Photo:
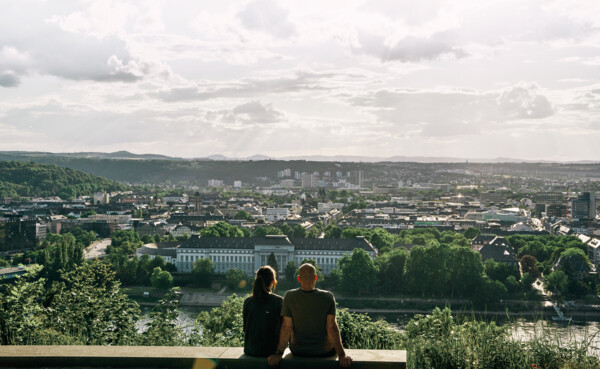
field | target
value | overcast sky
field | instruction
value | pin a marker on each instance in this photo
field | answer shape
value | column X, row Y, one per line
column 472, row 79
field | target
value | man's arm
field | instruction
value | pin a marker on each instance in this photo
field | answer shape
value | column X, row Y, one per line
column 284, row 338
column 333, row 332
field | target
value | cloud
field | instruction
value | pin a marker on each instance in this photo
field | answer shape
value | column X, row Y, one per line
column 9, row 79
column 267, row 16
column 250, row 87
column 455, row 112
column 408, row 49
column 37, row 43
column 255, row 112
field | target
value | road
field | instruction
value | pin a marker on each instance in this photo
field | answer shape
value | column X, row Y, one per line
column 97, row 250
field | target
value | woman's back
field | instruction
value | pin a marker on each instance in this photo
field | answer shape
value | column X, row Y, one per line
column 262, row 321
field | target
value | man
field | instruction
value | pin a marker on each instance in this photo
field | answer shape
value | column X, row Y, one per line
column 309, row 319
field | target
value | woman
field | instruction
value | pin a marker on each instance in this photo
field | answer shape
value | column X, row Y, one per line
column 262, row 315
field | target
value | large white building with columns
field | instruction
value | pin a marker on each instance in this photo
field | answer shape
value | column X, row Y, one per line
column 249, row 254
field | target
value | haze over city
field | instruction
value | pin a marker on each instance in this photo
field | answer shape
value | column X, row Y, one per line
column 481, row 79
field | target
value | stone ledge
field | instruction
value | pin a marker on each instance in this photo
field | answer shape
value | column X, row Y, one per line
column 181, row 357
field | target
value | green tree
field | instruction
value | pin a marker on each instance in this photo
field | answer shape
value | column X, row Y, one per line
column 299, row 231
column 290, row 270
column 88, row 303
column 21, row 311
column 391, row 270
column 264, row 231
column 500, row 271
column 272, row 261
column 222, row 326
column 243, row 215
column 161, row 279
column 465, row 269
column 359, row 273
column 287, row 230
column 333, row 231
column 556, row 282
column 202, row 272
column 163, row 330
column 236, row 279
column 472, row 233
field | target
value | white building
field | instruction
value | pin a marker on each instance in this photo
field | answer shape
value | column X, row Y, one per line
column 237, row 184
column 275, row 214
column 249, row 254
column 326, row 207
column 215, row 183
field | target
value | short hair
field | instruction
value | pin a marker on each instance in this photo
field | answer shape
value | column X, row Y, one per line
column 307, row 272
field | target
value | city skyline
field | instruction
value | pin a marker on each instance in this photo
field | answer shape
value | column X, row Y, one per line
column 357, row 78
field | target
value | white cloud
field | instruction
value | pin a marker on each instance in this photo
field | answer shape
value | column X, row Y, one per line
column 267, row 16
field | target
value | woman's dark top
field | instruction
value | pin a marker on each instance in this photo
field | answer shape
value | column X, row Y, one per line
column 262, row 321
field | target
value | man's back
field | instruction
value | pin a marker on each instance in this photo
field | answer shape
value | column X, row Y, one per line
column 309, row 310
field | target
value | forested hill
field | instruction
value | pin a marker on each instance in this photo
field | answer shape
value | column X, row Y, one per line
column 18, row 179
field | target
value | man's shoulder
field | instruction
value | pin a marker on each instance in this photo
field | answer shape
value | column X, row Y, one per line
column 292, row 292
column 324, row 292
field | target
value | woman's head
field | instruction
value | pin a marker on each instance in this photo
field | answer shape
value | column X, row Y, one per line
column 265, row 278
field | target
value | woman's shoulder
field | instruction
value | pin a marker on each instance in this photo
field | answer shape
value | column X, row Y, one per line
column 275, row 296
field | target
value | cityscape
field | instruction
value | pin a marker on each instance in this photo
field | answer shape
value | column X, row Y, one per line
column 430, row 169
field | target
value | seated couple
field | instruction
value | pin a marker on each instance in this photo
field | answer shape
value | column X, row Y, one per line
column 305, row 318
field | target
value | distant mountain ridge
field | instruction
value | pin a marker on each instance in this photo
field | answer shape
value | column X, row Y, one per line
column 126, row 155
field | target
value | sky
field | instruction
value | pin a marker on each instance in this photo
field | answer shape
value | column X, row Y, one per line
column 467, row 79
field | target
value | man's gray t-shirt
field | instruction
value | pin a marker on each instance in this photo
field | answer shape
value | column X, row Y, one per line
column 309, row 310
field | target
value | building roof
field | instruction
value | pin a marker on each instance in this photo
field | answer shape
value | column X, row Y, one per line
column 153, row 251
column 499, row 252
column 333, row 244
column 483, row 238
column 300, row 244
column 197, row 242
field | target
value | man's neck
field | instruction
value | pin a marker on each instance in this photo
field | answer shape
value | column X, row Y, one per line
column 307, row 287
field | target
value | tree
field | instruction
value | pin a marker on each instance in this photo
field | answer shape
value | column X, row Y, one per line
column 500, row 271
column 359, row 273
column 163, row 329
column 465, row 270
column 236, row 279
column 333, row 231
column 287, row 230
column 264, row 231
column 529, row 265
column 299, row 231
column 556, row 282
column 222, row 326
column 272, row 261
column 391, row 270
column 161, row 279
column 243, row 215
column 21, row 310
column 202, row 272
column 472, row 233
column 88, row 303
column 290, row 270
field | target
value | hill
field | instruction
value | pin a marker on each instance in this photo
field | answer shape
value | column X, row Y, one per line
column 24, row 179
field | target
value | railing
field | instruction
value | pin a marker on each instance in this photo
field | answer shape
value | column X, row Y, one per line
column 181, row 357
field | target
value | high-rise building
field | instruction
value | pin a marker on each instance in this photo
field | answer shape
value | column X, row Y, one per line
column 584, row 207
column 356, row 178
column 308, row 180
column 237, row 184
column 17, row 233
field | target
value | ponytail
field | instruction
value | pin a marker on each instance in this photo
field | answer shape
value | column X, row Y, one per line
column 260, row 287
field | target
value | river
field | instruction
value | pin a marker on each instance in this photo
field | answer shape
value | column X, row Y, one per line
column 523, row 329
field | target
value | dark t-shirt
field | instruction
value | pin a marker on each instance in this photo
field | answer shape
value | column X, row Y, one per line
column 309, row 310
column 262, row 322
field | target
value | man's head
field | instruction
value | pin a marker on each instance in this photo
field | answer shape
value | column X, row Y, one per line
column 307, row 276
